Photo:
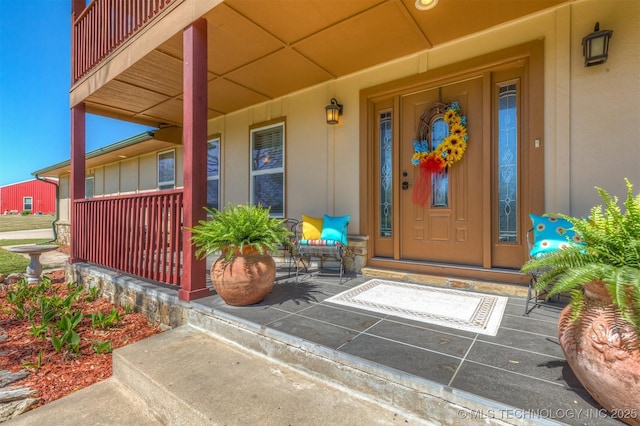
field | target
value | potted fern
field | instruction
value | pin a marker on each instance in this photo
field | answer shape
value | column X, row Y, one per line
column 599, row 329
column 245, row 235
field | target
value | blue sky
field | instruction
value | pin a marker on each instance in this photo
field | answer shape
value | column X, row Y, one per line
column 35, row 80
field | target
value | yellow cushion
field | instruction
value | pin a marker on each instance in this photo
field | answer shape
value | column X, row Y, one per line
column 311, row 227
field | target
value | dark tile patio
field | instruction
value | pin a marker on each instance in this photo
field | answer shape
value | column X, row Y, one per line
column 521, row 368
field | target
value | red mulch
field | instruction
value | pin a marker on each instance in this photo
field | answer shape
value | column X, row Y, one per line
column 62, row 374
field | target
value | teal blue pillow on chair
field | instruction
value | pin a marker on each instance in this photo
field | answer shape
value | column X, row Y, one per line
column 335, row 228
column 551, row 233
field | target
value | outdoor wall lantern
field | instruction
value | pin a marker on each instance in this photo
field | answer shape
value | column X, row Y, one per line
column 426, row 4
column 334, row 111
column 595, row 46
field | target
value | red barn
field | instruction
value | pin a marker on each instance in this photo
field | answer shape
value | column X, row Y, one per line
column 33, row 195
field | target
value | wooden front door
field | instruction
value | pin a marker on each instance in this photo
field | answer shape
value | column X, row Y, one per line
column 477, row 216
column 448, row 228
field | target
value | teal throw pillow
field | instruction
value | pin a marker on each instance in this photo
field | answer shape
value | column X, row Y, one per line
column 335, row 228
column 551, row 233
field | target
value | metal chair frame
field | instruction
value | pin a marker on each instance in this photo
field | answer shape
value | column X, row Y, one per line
column 307, row 252
column 288, row 248
column 534, row 295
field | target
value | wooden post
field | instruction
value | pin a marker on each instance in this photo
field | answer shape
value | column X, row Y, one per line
column 195, row 155
column 78, row 149
column 78, row 145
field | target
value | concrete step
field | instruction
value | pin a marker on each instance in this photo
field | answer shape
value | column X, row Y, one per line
column 105, row 403
column 187, row 377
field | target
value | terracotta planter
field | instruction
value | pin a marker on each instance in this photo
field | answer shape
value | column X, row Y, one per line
column 245, row 279
column 603, row 351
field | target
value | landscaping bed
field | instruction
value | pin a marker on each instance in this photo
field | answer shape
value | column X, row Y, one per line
column 63, row 336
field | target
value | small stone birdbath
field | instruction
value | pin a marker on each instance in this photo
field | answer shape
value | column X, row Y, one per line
column 34, row 268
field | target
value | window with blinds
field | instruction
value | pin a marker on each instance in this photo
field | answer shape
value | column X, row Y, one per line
column 267, row 168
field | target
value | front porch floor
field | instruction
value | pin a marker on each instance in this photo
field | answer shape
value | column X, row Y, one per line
column 519, row 376
column 522, row 368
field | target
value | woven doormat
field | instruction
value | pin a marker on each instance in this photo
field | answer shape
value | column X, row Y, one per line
column 462, row 310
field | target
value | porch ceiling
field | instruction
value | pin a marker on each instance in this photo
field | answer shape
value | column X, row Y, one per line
column 260, row 50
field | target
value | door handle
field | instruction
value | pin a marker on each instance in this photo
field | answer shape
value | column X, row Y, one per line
column 405, row 185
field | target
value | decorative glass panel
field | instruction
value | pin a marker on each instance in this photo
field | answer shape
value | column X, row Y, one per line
column 507, row 163
column 386, row 174
column 439, row 181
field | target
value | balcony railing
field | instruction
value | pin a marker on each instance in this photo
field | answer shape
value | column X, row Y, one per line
column 106, row 24
column 139, row 234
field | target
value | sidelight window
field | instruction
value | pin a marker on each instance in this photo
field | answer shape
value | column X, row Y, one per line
column 386, row 173
column 507, row 157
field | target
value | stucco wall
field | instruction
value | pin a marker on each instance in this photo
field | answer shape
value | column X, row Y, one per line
column 605, row 104
column 591, row 115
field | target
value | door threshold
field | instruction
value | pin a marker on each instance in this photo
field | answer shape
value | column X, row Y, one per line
column 468, row 278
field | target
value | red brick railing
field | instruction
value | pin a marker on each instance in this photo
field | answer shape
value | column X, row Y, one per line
column 137, row 234
column 104, row 25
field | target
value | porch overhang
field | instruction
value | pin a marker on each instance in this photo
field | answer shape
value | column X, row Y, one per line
column 259, row 51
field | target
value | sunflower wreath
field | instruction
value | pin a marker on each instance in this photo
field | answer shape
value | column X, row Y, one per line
column 452, row 148
column 446, row 154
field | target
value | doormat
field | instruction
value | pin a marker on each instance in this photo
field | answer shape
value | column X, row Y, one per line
column 462, row 310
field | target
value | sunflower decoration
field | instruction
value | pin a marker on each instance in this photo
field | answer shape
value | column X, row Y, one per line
column 448, row 152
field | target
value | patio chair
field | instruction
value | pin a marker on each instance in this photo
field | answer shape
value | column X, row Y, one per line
column 323, row 238
column 548, row 234
column 287, row 248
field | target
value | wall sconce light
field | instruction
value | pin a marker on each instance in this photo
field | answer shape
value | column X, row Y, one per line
column 426, row 4
column 334, row 111
column 595, row 46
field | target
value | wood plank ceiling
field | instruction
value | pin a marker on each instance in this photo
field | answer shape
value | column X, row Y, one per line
column 260, row 50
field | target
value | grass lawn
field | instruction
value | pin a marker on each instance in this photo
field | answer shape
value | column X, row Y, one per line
column 16, row 222
column 12, row 262
column 20, row 242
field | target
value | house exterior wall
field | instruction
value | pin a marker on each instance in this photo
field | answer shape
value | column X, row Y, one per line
column 585, row 108
column 128, row 176
column 98, row 181
column 591, row 119
column 64, row 206
column 147, row 165
column 42, row 194
column 604, row 105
